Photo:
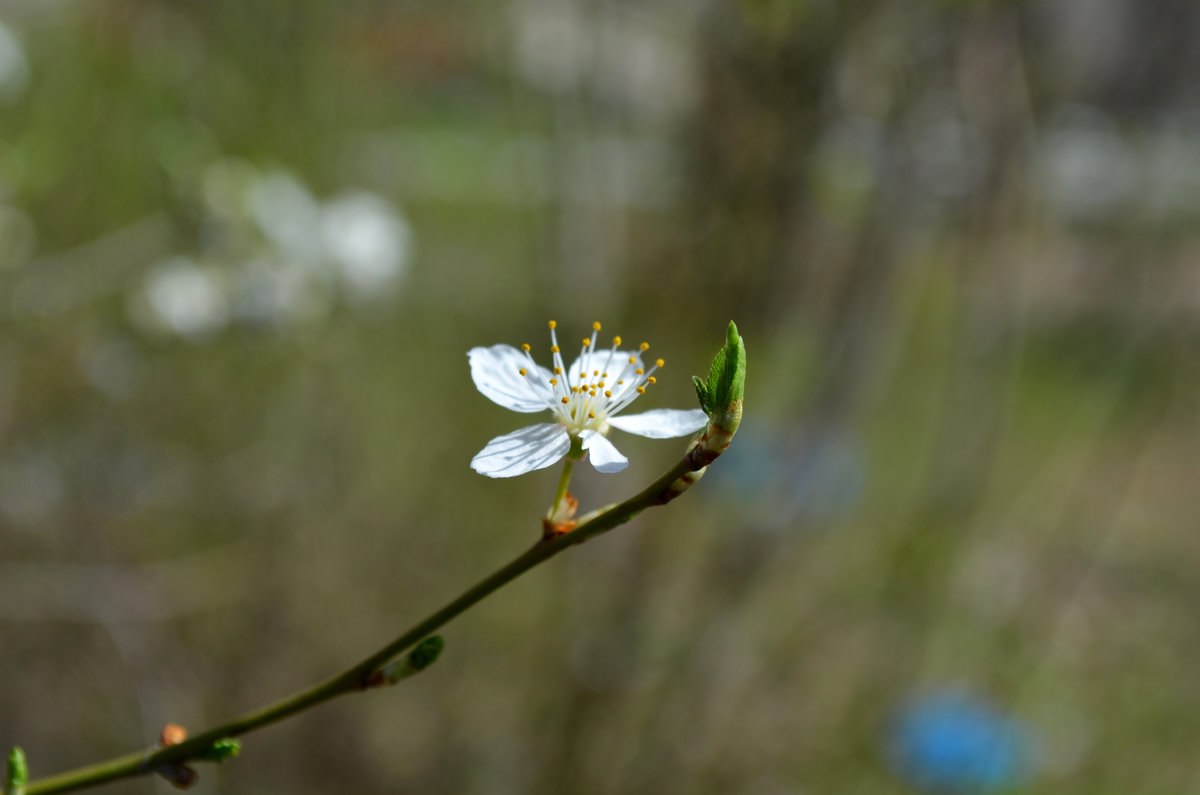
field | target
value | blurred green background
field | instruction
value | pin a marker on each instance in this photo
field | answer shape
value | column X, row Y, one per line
column 246, row 244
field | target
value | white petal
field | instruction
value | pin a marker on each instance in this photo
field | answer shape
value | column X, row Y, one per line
column 496, row 372
column 533, row 447
column 661, row 423
column 605, row 457
column 611, row 362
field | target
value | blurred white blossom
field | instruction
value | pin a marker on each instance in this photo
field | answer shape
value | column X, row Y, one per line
column 186, row 298
column 275, row 293
column 1090, row 171
column 274, row 256
column 14, row 66
column 367, row 240
column 287, row 214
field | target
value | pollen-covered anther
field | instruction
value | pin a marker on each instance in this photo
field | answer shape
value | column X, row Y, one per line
column 641, row 390
column 566, row 400
column 525, row 347
column 552, row 324
column 645, row 346
column 554, row 349
column 607, row 393
column 651, row 380
column 586, row 342
column 558, row 371
column 522, row 371
column 591, row 415
column 616, row 340
column 639, row 371
column 553, row 382
column 595, row 372
column 660, row 363
column 596, row 325
column 633, row 360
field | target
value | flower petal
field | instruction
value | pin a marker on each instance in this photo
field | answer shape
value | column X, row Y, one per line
column 496, row 372
column 615, row 363
column 532, row 447
column 661, row 423
column 605, row 457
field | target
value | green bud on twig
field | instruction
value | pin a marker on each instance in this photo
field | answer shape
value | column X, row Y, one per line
column 423, row 655
column 726, row 378
column 221, row 750
column 18, row 773
column 721, row 398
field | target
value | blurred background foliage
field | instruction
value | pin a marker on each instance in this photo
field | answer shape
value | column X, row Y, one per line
column 244, row 247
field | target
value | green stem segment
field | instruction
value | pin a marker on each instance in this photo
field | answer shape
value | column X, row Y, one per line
column 357, row 677
column 561, row 492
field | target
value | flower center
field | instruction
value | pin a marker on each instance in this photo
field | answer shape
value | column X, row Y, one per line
column 600, row 384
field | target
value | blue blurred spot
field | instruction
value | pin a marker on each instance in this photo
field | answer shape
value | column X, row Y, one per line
column 954, row 742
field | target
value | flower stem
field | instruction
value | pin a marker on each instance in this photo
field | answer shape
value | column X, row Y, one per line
column 561, row 492
column 358, row 676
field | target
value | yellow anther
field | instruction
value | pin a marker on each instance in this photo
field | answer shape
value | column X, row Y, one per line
column 566, row 400
column 525, row 347
column 621, row 382
column 645, row 346
column 553, row 382
column 641, row 390
column 616, row 340
column 558, row 371
column 574, row 389
column 552, row 323
column 659, row 363
column 604, row 375
column 595, row 372
column 554, row 349
column 582, row 374
column 586, row 342
column 600, row 384
column 596, row 325
column 522, row 371
column 591, row 415
column 633, row 360
column 651, row 380
column 639, row 371
column 607, row 393
column 592, row 393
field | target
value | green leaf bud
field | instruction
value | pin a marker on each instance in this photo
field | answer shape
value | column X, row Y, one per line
column 221, row 750
column 423, row 655
column 727, row 377
column 18, row 772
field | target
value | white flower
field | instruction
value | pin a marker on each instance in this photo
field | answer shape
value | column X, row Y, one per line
column 584, row 399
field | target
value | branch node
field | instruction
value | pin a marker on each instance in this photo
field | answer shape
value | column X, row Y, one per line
column 179, row 775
